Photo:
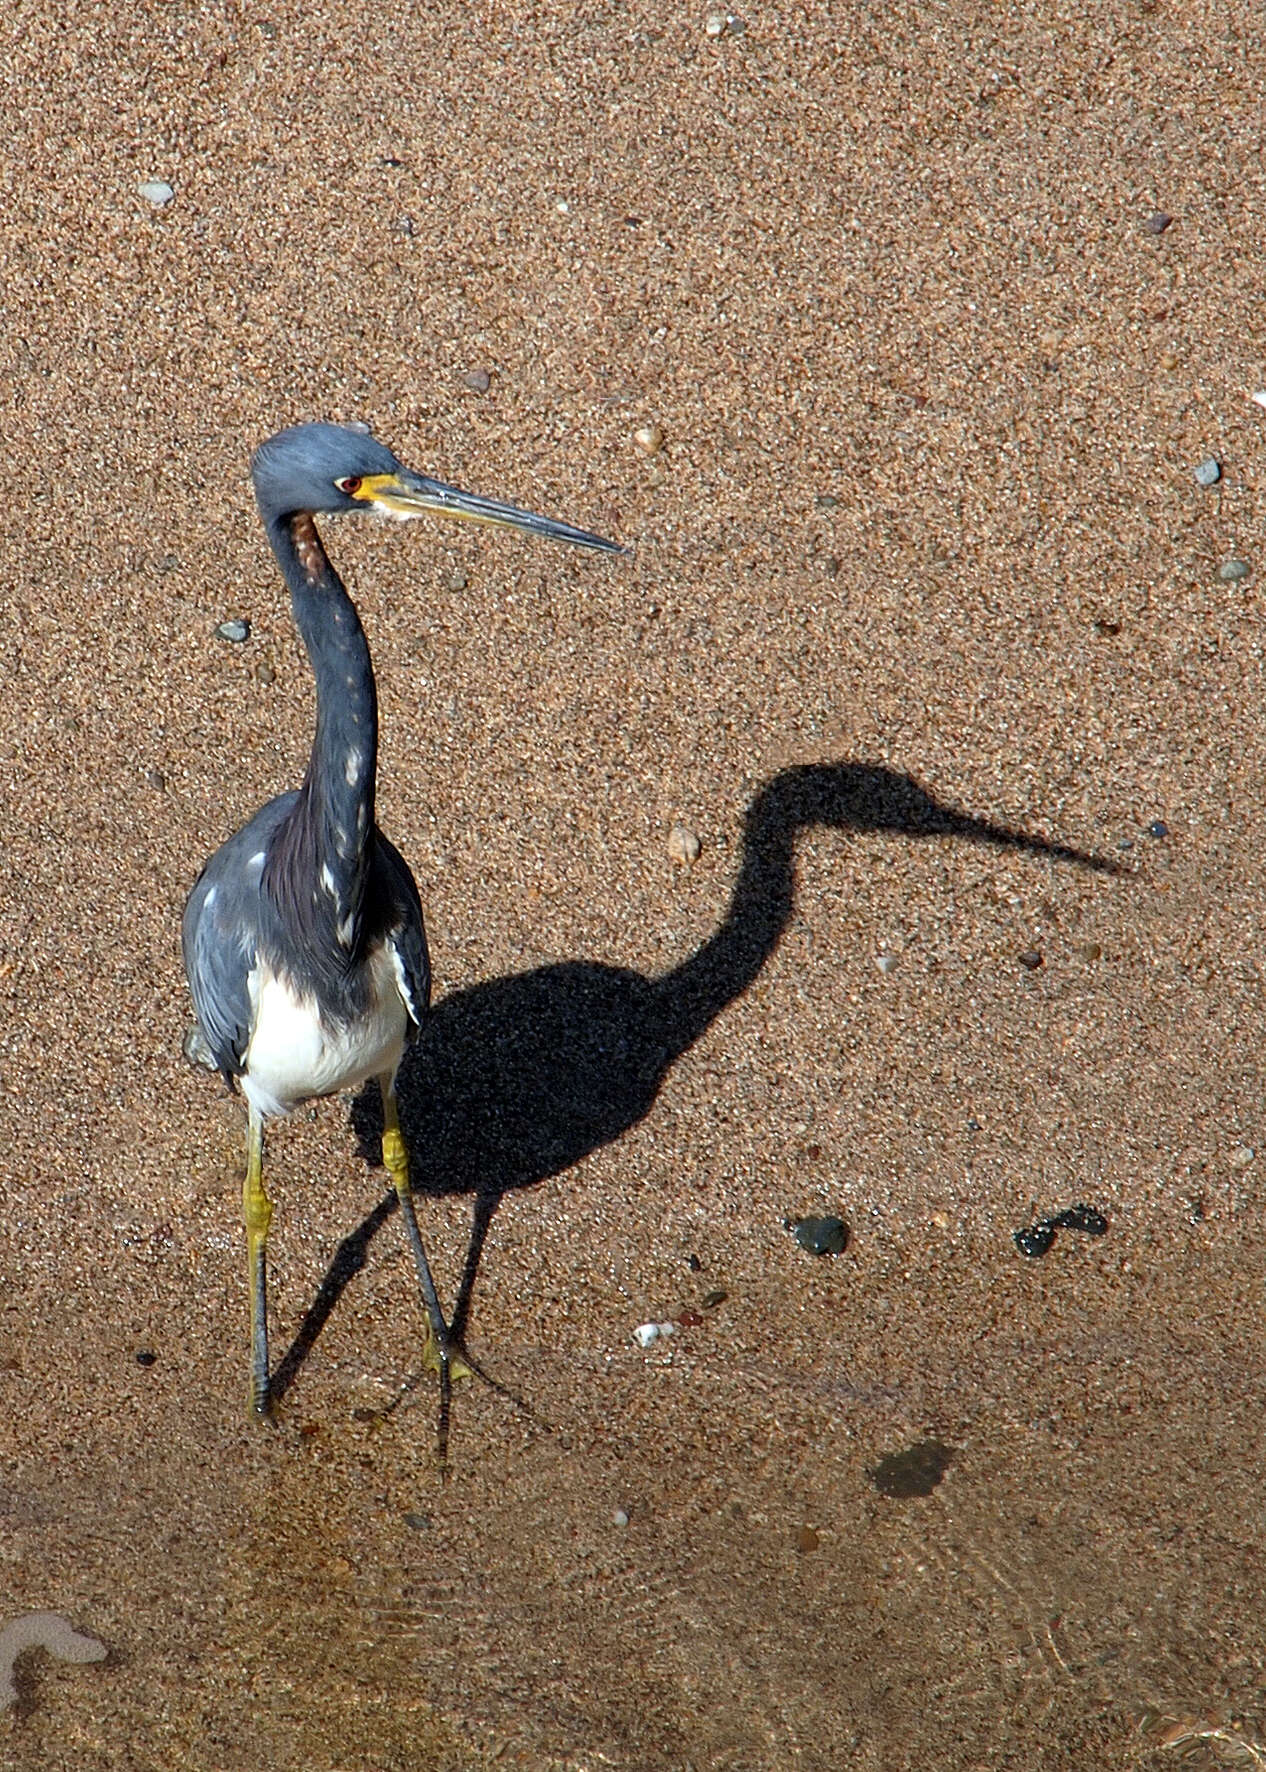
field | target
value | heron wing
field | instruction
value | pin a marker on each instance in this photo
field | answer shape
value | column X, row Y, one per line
column 218, row 961
column 405, row 932
column 224, row 920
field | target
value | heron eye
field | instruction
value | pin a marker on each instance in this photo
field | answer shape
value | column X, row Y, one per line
column 350, row 485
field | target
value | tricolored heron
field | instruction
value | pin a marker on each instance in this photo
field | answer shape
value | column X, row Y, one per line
column 303, row 936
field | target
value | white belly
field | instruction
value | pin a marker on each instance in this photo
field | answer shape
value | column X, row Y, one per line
column 293, row 1056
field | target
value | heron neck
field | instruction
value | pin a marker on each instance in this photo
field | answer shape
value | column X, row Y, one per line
column 334, row 817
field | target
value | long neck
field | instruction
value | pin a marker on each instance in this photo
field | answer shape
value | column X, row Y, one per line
column 693, row 994
column 328, row 835
column 840, row 796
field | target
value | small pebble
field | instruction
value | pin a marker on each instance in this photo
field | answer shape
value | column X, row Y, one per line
column 478, row 381
column 714, row 25
column 1088, row 950
column 647, row 1334
column 820, row 1236
column 1259, row 398
column 649, row 439
column 1158, row 222
column 887, row 963
column 711, row 1300
column 1082, row 1218
column 1158, row 828
column 1231, row 571
column 1241, row 1156
column 145, row 1358
column 156, row 779
column 456, row 580
column 157, row 191
column 417, row 1522
column 683, row 845
column 1031, row 959
column 1036, row 1239
column 234, row 630
column 1208, row 473
column 264, row 673
column 688, row 1319
column 807, row 1540
column 619, row 1517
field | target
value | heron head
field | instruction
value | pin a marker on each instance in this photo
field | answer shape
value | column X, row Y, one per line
column 338, row 468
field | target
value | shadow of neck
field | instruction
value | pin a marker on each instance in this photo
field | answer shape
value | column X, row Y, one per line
column 852, row 797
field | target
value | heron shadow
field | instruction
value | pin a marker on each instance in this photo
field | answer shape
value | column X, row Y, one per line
column 518, row 1078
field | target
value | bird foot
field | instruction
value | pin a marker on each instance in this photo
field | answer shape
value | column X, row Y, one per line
column 458, row 1367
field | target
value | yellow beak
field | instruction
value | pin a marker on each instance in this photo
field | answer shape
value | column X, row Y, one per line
column 404, row 495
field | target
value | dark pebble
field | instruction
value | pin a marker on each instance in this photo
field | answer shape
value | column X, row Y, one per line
column 156, row 779
column 807, row 1540
column 1158, row 222
column 418, row 1522
column 1082, row 1218
column 689, row 1319
column 1031, row 959
column 820, row 1236
column 916, row 1471
column 693, row 1263
column 145, row 1358
column 1036, row 1240
column 712, row 1299
column 1158, row 828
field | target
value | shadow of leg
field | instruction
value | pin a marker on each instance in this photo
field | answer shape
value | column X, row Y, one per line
column 349, row 1259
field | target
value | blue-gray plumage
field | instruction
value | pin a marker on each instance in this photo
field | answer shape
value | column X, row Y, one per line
column 303, row 936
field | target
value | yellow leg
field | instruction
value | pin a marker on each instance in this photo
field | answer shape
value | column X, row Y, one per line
column 258, row 1212
column 438, row 1353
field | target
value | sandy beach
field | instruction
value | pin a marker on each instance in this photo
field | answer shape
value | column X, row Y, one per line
column 879, row 839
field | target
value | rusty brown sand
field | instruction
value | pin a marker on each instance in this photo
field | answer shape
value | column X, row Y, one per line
column 931, row 392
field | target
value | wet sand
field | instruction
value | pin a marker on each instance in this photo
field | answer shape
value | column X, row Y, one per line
column 923, row 624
